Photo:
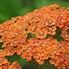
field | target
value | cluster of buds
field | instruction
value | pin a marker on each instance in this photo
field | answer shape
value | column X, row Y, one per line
column 14, row 36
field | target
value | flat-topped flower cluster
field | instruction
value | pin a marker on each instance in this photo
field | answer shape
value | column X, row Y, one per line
column 14, row 35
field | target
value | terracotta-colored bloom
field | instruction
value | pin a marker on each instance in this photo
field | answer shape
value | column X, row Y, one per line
column 4, row 64
column 65, row 35
column 65, row 45
column 1, row 40
column 41, row 33
column 41, row 22
column 52, row 30
column 32, row 28
column 14, row 65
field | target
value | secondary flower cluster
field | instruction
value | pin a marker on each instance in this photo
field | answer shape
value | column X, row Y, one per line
column 5, row 64
column 41, row 22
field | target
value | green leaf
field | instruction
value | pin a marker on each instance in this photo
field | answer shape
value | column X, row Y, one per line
column 8, row 9
column 40, row 3
column 46, row 65
column 16, row 58
column 58, row 35
column 30, row 35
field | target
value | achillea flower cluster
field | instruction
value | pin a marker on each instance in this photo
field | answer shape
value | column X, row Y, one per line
column 41, row 22
column 5, row 64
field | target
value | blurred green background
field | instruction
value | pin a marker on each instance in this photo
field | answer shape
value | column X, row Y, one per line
column 12, row 8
